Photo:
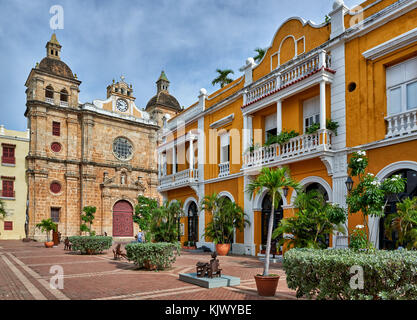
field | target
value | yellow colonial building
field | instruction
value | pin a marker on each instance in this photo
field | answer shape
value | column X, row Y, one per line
column 358, row 69
column 13, row 185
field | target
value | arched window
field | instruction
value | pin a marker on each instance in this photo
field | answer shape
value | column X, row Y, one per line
column 391, row 207
column 64, row 95
column 192, row 222
column 49, row 92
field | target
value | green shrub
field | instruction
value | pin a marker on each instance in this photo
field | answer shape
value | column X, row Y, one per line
column 162, row 254
column 326, row 274
column 281, row 138
column 90, row 244
column 358, row 240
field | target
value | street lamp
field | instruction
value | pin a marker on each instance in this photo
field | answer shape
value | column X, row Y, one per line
column 349, row 184
column 285, row 191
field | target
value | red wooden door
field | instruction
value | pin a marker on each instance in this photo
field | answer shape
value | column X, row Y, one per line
column 122, row 219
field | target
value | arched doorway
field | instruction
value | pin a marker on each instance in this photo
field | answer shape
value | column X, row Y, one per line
column 391, row 207
column 192, row 214
column 319, row 188
column 122, row 219
column 226, row 199
column 265, row 214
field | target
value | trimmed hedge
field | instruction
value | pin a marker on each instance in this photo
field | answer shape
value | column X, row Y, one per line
column 90, row 244
column 162, row 254
column 326, row 274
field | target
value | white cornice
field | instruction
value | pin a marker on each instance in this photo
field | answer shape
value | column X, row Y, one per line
column 222, row 122
column 380, row 18
column 223, row 91
column 383, row 143
column 391, row 45
column 214, row 180
column 93, row 108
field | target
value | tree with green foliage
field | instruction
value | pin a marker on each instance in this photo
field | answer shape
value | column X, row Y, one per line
column 164, row 226
column 222, row 78
column 370, row 196
column 226, row 217
column 47, row 225
column 404, row 223
column 144, row 211
column 274, row 181
column 88, row 217
column 260, row 54
column 312, row 223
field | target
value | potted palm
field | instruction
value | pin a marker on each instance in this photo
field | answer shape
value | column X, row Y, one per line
column 47, row 225
column 226, row 217
column 274, row 181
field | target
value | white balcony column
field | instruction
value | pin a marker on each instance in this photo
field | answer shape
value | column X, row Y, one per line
column 191, row 160
column 322, row 59
column 323, row 105
column 247, row 132
column 174, row 160
column 250, row 130
column 279, row 116
column 278, row 82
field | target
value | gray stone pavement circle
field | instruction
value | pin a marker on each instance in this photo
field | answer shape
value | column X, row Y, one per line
column 223, row 281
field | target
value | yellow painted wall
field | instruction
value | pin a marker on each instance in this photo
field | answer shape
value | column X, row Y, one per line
column 16, row 208
column 367, row 105
column 182, row 194
column 212, row 139
column 234, row 187
column 313, row 37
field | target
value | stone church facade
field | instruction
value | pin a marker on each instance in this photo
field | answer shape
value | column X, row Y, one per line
column 98, row 154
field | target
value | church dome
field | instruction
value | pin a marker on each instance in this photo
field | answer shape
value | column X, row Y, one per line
column 56, row 67
column 162, row 97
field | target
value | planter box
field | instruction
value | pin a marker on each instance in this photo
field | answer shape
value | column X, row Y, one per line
column 189, row 248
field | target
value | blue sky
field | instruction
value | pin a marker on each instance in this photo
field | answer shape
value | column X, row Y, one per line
column 103, row 39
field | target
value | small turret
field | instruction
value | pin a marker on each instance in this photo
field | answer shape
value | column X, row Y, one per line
column 53, row 48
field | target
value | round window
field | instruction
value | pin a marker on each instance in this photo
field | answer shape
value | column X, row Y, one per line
column 56, row 147
column 55, row 187
column 122, row 148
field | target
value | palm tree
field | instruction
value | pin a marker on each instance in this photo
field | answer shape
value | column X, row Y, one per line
column 260, row 54
column 404, row 223
column 226, row 216
column 273, row 180
column 222, row 78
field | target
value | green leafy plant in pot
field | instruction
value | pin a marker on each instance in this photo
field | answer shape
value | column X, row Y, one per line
column 226, row 217
column 47, row 225
column 275, row 181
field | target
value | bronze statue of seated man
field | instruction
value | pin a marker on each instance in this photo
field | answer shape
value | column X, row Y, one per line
column 209, row 269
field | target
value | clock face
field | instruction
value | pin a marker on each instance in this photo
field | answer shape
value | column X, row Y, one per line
column 121, row 105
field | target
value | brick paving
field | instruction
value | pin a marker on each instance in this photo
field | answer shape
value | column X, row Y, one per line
column 25, row 275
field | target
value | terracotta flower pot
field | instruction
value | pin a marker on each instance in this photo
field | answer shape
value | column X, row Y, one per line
column 222, row 248
column 91, row 251
column 267, row 285
column 49, row 244
column 149, row 266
